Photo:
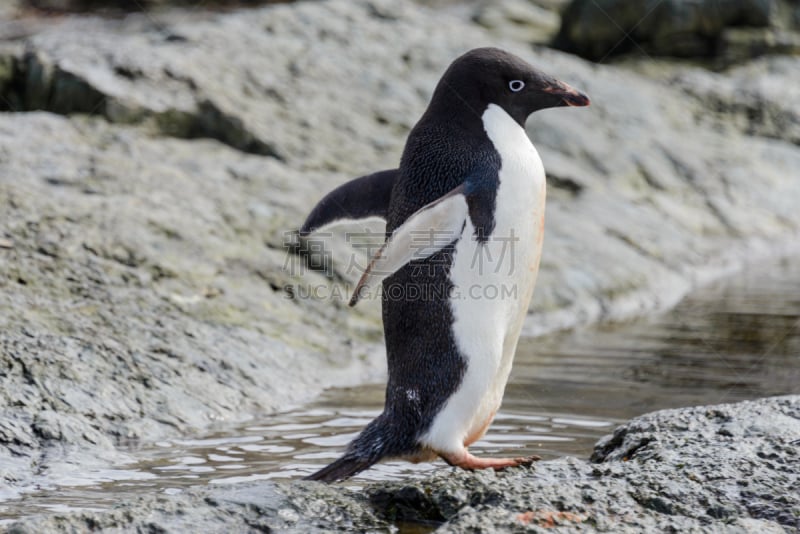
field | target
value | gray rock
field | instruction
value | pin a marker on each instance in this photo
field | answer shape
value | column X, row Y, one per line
column 521, row 20
column 674, row 470
column 143, row 294
column 262, row 507
column 726, row 468
column 156, row 76
column 597, row 29
column 741, row 44
column 754, row 98
column 126, row 5
column 9, row 10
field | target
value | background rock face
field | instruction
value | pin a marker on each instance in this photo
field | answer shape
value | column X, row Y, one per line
column 134, row 5
column 599, row 29
column 647, row 185
column 150, row 168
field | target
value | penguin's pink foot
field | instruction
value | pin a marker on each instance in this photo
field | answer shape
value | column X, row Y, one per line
column 465, row 460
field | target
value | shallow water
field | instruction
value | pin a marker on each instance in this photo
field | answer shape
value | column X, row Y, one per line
column 737, row 339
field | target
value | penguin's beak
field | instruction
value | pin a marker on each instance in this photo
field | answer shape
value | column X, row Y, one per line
column 569, row 95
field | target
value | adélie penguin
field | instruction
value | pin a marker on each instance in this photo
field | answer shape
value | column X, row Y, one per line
column 464, row 222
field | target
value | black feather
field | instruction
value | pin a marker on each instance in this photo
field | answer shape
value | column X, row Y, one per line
column 345, row 467
column 379, row 439
column 367, row 196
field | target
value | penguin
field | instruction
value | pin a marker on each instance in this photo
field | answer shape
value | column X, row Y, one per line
column 464, row 216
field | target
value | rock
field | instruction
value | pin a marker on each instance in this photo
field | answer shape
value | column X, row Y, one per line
column 557, row 6
column 90, row 65
column 719, row 468
column 7, row 74
column 9, row 10
column 754, row 98
column 145, row 291
column 741, row 44
column 522, row 20
column 597, row 29
column 126, row 5
column 248, row 507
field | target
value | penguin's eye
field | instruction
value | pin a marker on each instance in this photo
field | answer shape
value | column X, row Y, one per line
column 516, row 85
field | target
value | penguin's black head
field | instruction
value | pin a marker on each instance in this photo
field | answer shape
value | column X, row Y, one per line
column 486, row 76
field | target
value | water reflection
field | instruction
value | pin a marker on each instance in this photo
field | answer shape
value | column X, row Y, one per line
column 736, row 340
column 299, row 442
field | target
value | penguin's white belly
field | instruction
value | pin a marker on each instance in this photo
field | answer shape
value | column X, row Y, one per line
column 493, row 284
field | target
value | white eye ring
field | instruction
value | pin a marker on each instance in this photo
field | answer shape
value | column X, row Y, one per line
column 516, row 85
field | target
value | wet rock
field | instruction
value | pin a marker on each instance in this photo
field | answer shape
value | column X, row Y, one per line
column 664, row 471
column 599, row 29
column 671, row 470
column 261, row 507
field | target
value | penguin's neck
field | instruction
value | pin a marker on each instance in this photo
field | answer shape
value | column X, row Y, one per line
column 506, row 134
column 522, row 181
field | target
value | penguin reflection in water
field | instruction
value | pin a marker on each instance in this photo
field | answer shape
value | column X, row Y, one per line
column 470, row 183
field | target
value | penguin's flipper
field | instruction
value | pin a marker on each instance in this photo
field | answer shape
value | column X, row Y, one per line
column 367, row 196
column 424, row 233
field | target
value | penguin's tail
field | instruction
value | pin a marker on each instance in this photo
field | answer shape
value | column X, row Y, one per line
column 374, row 443
column 345, row 467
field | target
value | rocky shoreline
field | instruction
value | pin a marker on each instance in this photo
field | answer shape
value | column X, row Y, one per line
column 725, row 468
column 151, row 167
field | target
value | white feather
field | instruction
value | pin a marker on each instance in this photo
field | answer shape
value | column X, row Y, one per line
column 427, row 231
